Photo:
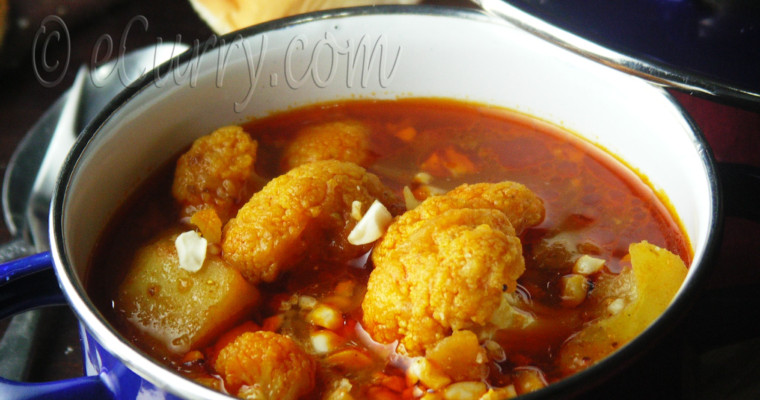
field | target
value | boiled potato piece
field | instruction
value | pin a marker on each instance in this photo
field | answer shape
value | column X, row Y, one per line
column 657, row 276
column 460, row 356
column 180, row 309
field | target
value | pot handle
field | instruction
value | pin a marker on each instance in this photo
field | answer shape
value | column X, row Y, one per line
column 29, row 283
column 15, row 249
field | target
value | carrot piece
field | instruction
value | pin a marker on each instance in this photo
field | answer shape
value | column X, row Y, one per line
column 406, row 134
column 394, row 383
column 381, row 393
column 457, row 163
column 449, row 160
column 272, row 324
column 192, row 356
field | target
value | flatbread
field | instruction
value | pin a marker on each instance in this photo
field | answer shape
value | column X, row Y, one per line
column 3, row 19
column 224, row 16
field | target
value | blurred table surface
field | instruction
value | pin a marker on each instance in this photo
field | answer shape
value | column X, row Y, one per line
column 733, row 133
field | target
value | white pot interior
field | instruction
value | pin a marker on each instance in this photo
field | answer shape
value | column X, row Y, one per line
column 473, row 58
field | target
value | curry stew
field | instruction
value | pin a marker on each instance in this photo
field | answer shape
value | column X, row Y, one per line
column 388, row 249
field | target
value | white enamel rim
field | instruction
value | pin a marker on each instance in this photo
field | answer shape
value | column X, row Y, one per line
column 173, row 383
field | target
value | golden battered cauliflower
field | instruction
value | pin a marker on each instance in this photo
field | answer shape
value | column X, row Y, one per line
column 217, row 172
column 306, row 210
column 443, row 266
column 518, row 203
column 342, row 140
column 521, row 206
column 266, row 365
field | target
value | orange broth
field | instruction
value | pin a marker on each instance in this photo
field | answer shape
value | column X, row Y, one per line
column 594, row 205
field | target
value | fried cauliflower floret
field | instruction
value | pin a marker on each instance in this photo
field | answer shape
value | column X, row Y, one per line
column 518, row 203
column 266, row 365
column 443, row 266
column 342, row 140
column 308, row 208
column 521, row 206
column 446, row 275
column 217, row 172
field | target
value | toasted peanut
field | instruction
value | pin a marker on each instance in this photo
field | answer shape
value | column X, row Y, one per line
column 325, row 316
column 495, row 351
column 410, row 201
column 307, row 302
column 502, row 393
column 587, row 265
column 423, row 177
column 342, row 391
column 574, row 289
column 349, row 359
column 616, row 306
column 356, row 210
column 460, row 356
column 469, row 390
column 412, row 392
column 344, row 296
column 345, row 288
column 422, row 370
column 528, row 380
column 325, row 342
column 284, row 302
column 342, row 303
column 509, row 315
column 432, row 396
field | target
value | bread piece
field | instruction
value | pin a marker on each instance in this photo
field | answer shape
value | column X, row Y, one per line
column 224, row 16
column 3, row 20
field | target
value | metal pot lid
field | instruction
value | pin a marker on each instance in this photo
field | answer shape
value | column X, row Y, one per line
column 704, row 47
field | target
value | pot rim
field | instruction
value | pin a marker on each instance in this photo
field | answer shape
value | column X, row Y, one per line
column 165, row 379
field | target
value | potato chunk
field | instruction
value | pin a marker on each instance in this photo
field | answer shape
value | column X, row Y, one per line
column 182, row 310
column 657, row 276
column 460, row 356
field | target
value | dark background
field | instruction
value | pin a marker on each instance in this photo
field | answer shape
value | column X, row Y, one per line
column 714, row 353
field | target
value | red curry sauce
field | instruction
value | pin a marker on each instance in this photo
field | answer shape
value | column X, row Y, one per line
column 594, row 205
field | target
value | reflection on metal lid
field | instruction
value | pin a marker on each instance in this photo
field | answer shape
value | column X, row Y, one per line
column 709, row 47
